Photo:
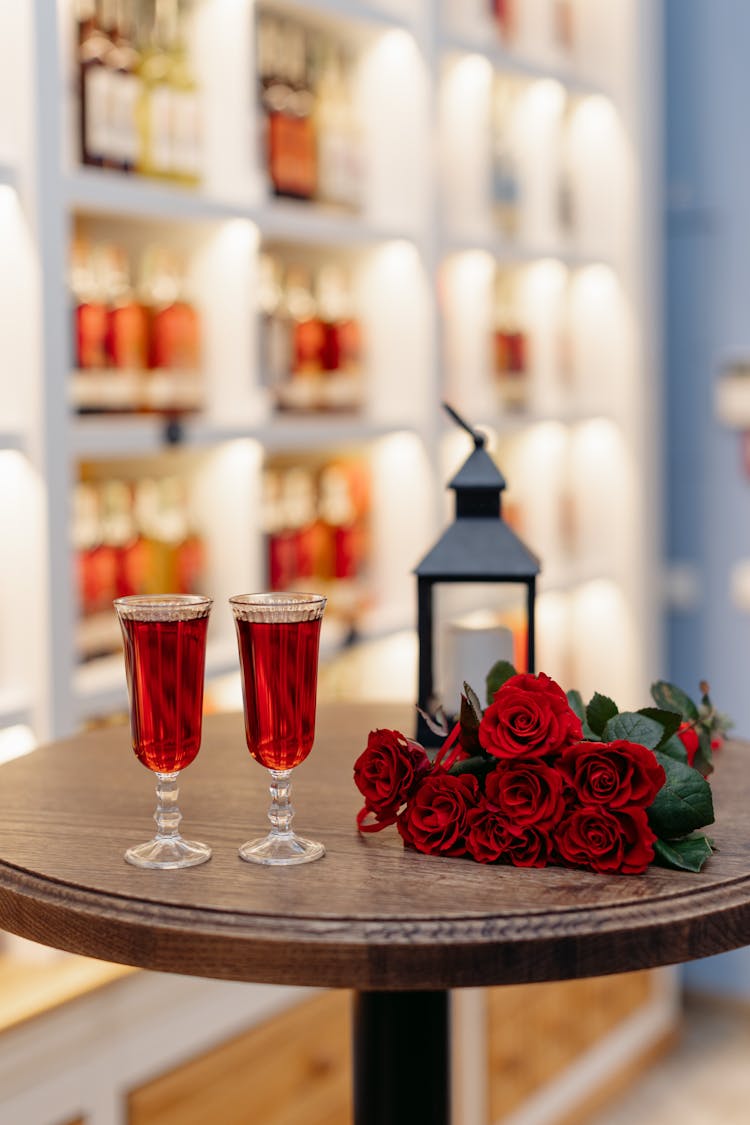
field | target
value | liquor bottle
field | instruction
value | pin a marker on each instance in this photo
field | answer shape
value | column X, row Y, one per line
column 563, row 24
column 154, row 114
column 341, row 351
column 338, row 133
column 302, row 390
column 291, row 132
column 503, row 13
column 124, row 61
column 94, row 77
column 127, row 321
column 120, row 534
column 184, row 548
column 340, row 518
column 506, row 193
column 511, row 347
column 299, row 507
column 274, row 327
column 186, row 148
column 175, row 335
column 279, row 541
column 89, row 308
column 159, row 573
column 96, row 561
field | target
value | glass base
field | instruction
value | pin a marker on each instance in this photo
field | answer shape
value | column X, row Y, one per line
column 165, row 852
column 281, row 850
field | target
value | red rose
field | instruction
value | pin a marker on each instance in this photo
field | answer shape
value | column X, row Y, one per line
column 688, row 736
column 528, row 792
column 387, row 771
column 436, row 818
column 528, row 846
column 487, row 837
column 616, row 774
column 605, row 840
column 529, row 718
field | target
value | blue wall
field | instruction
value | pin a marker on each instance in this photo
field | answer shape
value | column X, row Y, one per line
column 707, row 264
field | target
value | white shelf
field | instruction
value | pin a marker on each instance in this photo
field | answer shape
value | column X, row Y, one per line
column 8, row 174
column 12, row 439
column 96, row 192
column 15, row 707
column 100, row 437
column 513, row 62
column 366, row 17
column 506, row 251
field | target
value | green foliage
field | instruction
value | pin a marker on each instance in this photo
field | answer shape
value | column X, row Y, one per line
column 671, row 698
column 634, row 727
column 688, row 854
column 498, row 675
column 669, row 720
column 599, row 711
column 683, row 803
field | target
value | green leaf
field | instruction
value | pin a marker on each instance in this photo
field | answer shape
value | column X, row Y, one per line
column 669, row 720
column 703, row 761
column 632, row 727
column 599, row 711
column 476, row 765
column 683, row 803
column 674, row 748
column 575, row 702
column 671, row 698
column 688, row 854
column 497, row 676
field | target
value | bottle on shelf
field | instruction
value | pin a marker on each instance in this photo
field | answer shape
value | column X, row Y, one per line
column 124, row 61
column 127, row 319
column 94, row 81
column 563, row 24
column 288, row 101
column 341, row 385
column 504, row 17
column 339, row 135
column 301, row 391
column 279, row 541
column 185, row 147
column 274, row 326
column 175, row 335
column 89, row 307
column 506, row 185
column 511, row 359
column 154, row 111
column 121, row 535
column 341, row 518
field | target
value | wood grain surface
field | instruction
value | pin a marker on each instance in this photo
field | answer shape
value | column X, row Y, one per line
column 370, row 915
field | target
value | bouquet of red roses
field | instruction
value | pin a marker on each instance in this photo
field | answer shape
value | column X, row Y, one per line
column 536, row 778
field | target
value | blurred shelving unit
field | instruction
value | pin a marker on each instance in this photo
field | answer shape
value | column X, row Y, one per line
column 501, row 254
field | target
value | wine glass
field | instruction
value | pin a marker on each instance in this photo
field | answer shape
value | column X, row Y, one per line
column 278, row 635
column 165, row 655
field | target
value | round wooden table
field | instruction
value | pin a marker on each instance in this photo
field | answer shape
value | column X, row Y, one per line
column 399, row 927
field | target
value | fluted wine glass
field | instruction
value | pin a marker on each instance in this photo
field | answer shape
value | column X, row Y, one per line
column 165, row 656
column 278, row 635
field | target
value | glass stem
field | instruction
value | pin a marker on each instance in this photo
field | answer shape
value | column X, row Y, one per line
column 281, row 812
column 167, row 815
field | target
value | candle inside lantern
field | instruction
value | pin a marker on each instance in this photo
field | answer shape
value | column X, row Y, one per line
column 471, row 645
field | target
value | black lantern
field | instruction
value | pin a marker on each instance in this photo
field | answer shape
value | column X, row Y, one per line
column 478, row 547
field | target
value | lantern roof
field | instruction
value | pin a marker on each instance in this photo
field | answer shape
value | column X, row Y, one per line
column 479, row 550
column 478, row 545
column 479, row 471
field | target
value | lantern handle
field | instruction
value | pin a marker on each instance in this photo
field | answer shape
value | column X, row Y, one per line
column 475, row 434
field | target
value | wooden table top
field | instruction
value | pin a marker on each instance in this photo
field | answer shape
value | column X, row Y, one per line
column 370, row 915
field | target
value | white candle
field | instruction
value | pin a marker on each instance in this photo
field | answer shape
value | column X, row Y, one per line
column 470, row 648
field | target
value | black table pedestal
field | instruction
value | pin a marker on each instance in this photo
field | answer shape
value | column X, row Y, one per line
column 401, row 1058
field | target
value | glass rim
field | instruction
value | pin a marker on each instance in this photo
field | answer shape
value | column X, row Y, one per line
column 163, row 607
column 278, row 597
column 278, row 606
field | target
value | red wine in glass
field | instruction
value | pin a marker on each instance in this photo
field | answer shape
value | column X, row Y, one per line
column 278, row 636
column 279, row 663
column 164, row 637
column 164, row 665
